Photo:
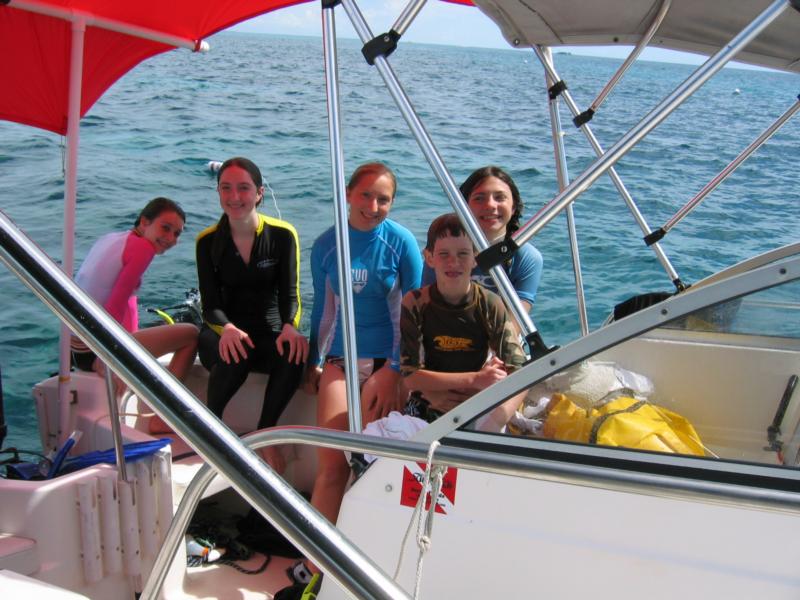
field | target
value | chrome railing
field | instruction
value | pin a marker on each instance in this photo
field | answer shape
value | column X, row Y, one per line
column 189, row 418
column 515, row 465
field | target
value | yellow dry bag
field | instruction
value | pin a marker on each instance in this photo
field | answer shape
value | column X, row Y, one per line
column 625, row 422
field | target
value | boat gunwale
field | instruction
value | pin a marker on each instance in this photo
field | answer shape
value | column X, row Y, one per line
column 639, row 471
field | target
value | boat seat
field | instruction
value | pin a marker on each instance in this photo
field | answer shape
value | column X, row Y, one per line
column 18, row 554
column 15, row 585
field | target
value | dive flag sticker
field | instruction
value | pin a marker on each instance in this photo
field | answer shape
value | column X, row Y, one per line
column 413, row 476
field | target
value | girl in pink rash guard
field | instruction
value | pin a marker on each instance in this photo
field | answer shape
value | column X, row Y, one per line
column 112, row 272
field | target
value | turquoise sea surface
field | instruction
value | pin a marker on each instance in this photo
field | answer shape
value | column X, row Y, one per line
column 262, row 96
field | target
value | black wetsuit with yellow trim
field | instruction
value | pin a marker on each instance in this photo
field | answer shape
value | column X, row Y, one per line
column 258, row 297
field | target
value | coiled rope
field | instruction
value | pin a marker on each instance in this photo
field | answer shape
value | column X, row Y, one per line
column 432, row 483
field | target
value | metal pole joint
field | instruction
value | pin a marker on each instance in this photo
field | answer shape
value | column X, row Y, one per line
column 654, row 236
column 583, row 118
column 555, row 90
column 381, row 45
column 496, row 254
column 537, row 346
column 680, row 286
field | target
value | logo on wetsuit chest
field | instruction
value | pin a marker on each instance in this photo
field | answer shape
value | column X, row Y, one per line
column 266, row 263
column 447, row 343
column 360, row 277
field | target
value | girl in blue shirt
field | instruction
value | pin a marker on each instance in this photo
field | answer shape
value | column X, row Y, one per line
column 385, row 263
column 494, row 199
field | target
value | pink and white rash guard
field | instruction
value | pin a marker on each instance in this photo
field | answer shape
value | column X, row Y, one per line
column 112, row 272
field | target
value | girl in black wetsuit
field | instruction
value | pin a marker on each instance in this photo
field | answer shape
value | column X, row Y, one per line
column 248, row 270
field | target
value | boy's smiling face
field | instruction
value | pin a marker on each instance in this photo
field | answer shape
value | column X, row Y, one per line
column 452, row 259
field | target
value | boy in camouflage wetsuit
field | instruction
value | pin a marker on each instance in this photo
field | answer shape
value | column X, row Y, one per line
column 449, row 328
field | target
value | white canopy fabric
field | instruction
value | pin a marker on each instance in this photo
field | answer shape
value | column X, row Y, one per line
column 699, row 26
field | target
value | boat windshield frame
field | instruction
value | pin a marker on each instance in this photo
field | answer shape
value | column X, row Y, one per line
column 681, row 305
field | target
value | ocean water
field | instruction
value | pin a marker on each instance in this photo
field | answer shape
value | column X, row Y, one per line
column 264, row 97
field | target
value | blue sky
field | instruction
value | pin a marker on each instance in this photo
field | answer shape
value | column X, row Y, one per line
column 437, row 23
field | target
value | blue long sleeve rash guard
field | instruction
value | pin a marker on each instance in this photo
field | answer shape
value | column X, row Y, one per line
column 385, row 264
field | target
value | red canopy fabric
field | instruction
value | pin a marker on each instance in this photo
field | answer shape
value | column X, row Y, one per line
column 34, row 72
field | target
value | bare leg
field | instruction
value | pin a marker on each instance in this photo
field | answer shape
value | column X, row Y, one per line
column 333, row 470
column 181, row 340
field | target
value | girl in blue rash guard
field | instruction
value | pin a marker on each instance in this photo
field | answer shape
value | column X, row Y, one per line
column 385, row 263
column 495, row 201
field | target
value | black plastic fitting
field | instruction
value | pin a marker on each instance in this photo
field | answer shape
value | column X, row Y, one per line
column 554, row 91
column 537, row 346
column 654, row 236
column 583, row 118
column 496, row 254
column 382, row 45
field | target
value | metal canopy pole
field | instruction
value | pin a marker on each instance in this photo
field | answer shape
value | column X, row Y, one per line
column 70, row 14
column 216, row 444
column 409, row 13
column 504, row 287
column 341, row 222
column 116, row 430
column 548, row 212
column 587, row 115
column 79, row 21
column 722, row 175
column 612, row 173
column 563, row 180
column 70, row 202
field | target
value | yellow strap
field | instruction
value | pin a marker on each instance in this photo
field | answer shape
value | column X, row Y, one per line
column 310, row 593
column 169, row 320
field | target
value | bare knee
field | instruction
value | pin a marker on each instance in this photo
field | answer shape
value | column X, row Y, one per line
column 333, row 470
column 187, row 334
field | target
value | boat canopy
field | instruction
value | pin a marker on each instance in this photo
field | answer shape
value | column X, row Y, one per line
column 699, row 26
column 119, row 35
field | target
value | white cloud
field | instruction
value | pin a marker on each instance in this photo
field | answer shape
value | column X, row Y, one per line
column 302, row 19
column 437, row 23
